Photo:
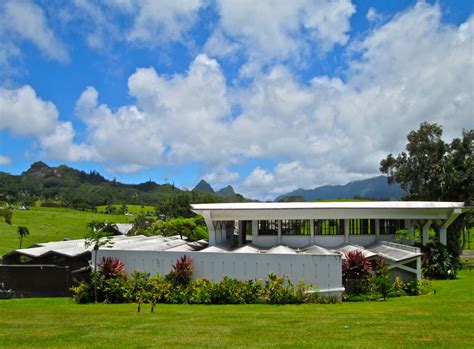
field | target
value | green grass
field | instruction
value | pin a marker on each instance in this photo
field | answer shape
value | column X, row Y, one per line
column 444, row 319
column 49, row 224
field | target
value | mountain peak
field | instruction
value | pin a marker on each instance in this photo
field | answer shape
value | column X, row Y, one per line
column 203, row 186
column 226, row 191
column 39, row 168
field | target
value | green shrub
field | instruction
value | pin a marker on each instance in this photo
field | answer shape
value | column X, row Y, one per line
column 439, row 263
column 381, row 281
column 83, row 293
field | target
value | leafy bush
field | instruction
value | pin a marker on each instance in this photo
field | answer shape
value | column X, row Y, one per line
column 111, row 267
column 182, row 271
column 381, row 280
column 356, row 272
column 439, row 263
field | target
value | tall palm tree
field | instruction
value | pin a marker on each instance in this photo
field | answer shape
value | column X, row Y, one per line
column 22, row 232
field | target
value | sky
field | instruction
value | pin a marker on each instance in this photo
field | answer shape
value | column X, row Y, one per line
column 267, row 96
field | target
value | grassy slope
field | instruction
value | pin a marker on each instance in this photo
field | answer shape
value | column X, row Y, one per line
column 49, row 224
column 442, row 320
column 133, row 209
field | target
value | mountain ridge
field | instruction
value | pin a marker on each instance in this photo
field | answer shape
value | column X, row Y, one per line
column 374, row 188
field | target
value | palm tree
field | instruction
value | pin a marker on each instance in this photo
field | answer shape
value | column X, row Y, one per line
column 22, row 232
column 96, row 239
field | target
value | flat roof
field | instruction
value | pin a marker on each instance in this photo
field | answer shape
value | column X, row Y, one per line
column 328, row 205
column 329, row 210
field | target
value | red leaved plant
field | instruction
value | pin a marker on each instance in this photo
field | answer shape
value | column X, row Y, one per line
column 182, row 271
column 111, row 267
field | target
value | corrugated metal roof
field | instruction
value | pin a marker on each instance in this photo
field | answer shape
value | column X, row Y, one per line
column 344, row 249
column 315, row 249
column 395, row 252
column 281, row 249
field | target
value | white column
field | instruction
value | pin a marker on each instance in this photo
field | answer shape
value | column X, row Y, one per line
column 346, row 231
column 418, row 268
column 210, row 227
column 311, row 230
column 239, row 226
column 254, row 231
column 424, row 232
column 443, row 236
column 279, row 231
column 377, row 229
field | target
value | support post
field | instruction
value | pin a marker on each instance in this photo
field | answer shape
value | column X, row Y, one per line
column 254, row 231
column 210, row 227
column 443, row 239
column 418, row 268
column 424, row 232
column 311, row 230
column 346, row 231
column 279, row 232
column 377, row 229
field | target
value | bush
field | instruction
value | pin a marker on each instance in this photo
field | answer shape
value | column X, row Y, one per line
column 355, row 272
column 182, row 271
column 439, row 263
column 111, row 267
column 381, row 280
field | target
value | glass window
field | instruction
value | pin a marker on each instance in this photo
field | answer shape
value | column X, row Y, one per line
column 268, row 227
column 295, row 227
column 361, row 226
column 390, row 226
column 329, row 227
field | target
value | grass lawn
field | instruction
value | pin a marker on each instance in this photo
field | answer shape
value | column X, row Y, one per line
column 444, row 319
column 49, row 224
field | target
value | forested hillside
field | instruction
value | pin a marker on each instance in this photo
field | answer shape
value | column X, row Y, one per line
column 68, row 187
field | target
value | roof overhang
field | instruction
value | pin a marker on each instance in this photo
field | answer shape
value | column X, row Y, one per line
column 330, row 210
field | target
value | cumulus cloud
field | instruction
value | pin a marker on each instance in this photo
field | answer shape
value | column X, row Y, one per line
column 163, row 20
column 324, row 131
column 273, row 31
column 24, row 113
column 26, row 20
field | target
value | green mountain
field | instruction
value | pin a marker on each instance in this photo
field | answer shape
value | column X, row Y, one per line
column 69, row 187
column 226, row 192
column 203, row 187
column 375, row 188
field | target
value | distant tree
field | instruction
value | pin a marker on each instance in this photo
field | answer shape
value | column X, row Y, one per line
column 110, row 209
column 96, row 239
column 141, row 224
column 7, row 214
column 191, row 228
column 105, row 227
column 123, row 209
column 433, row 170
column 22, row 233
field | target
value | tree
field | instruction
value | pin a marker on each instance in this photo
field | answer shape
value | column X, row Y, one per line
column 189, row 227
column 97, row 239
column 22, row 233
column 433, row 170
column 7, row 214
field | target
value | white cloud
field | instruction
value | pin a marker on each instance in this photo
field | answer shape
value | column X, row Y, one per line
column 326, row 131
column 27, row 21
column 5, row 160
column 163, row 20
column 221, row 177
column 24, row 113
column 273, row 31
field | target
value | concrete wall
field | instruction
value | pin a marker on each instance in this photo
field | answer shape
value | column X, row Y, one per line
column 322, row 270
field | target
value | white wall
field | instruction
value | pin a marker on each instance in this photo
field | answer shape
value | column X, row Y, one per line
column 322, row 270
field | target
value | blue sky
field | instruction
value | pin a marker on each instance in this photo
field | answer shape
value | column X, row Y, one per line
column 268, row 96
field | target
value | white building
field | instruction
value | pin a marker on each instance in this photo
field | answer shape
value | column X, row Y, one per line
column 303, row 240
